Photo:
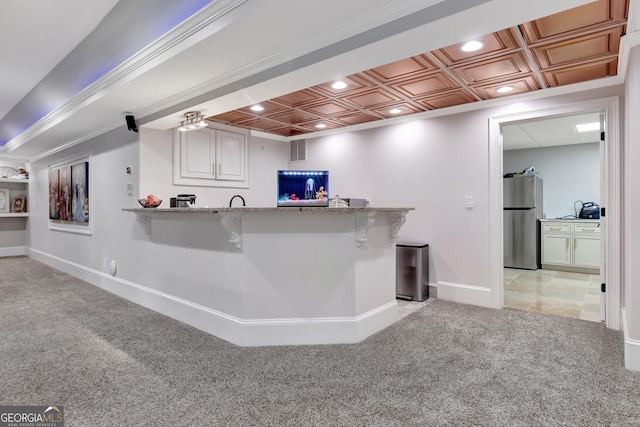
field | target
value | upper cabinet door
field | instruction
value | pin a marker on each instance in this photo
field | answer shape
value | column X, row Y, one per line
column 230, row 156
column 197, row 154
column 211, row 157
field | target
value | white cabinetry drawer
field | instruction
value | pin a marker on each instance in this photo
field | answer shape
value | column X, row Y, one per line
column 556, row 226
column 587, row 228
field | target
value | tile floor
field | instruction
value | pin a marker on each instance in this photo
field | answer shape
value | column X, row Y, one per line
column 560, row 293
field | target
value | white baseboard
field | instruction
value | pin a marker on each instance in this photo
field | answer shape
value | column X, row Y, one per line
column 631, row 347
column 13, row 251
column 466, row 294
column 246, row 333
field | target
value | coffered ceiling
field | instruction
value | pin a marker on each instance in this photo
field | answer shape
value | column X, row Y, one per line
column 573, row 46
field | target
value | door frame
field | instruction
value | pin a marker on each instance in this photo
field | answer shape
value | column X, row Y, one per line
column 611, row 175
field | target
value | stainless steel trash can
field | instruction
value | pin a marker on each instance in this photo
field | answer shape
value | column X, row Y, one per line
column 412, row 271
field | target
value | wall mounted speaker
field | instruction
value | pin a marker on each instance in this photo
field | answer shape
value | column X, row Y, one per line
column 131, row 123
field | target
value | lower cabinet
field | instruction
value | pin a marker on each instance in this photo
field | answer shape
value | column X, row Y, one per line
column 571, row 246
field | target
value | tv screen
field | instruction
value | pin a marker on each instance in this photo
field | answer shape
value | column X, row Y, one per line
column 303, row 188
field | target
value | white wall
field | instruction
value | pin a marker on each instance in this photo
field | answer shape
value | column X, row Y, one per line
column 110, row 154
column 569, row 173
column 631, row 230
column 156, row 172
column 432, row 165
column 119, row 236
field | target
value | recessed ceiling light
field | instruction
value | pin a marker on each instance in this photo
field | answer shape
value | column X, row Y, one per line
column 321, row 126
column 472, row 46
column 588, row 127
column 504, row 89
column 257, row 108
column 395, row 111
column 339, row 84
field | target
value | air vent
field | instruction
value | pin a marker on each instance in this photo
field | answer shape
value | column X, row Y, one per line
column 298, row 150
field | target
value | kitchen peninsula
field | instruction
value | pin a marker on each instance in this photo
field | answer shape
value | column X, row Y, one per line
column 276, row 276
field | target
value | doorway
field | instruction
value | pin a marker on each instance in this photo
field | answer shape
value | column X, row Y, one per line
column 610, row 198
column 552, row 260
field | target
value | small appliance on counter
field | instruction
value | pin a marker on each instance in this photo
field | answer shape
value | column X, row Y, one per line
column 182, row 201
column 590, row 210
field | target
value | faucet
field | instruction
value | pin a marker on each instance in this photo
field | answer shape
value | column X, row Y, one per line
column 237, row 195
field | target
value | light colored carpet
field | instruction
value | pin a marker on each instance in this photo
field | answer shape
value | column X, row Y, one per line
column 113, row 363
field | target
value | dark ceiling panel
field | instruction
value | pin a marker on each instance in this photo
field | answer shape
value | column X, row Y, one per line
column 582, row 73
column 574, row 22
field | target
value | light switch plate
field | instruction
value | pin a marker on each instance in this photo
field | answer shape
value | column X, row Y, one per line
column 468, row 201
column 129, row 189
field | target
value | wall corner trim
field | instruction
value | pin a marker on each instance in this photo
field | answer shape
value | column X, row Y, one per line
column 631, row 347
column 467, row 294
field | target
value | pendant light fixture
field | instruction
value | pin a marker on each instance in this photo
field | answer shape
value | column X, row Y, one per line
column 193, row 120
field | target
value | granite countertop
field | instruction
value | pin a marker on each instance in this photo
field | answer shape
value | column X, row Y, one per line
column 570, row 219
column 269, row 209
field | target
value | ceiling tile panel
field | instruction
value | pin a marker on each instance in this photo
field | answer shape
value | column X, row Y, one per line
column 405, row 108
column 288, row 131
column 231, row 116
column 581, row 73
column 569, row 47
column 403, row 69
column 270, row 107
column 565, row 52
column 426, row 85
column 291, row 117
column 354, row 84
column 300, row 97
column 589, row 17
column 494, row 44
column 355, row 118
column 373, row 98
column 327, row 124
column 259, row 123
column 502, row 67
column 446, row 100
column 521, row 85
column 328, row 108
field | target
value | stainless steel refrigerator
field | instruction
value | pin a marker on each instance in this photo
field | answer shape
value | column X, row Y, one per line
column 522, row 200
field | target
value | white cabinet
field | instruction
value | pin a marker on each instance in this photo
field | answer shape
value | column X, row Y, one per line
column 230, row 156
column 571, row 246
column 557, row 249
column 586, row 245
column 211, row 157
column 10, row 189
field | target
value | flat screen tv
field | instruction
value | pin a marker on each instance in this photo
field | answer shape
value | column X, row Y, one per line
column 303, row 188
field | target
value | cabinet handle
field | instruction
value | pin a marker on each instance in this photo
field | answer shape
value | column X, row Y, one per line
column 555, row 228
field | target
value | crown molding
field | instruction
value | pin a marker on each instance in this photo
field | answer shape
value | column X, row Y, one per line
column 203, row 24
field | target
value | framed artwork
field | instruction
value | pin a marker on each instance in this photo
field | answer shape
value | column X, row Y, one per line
column 20, row 204
column 69, row 195
column 5, row 200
